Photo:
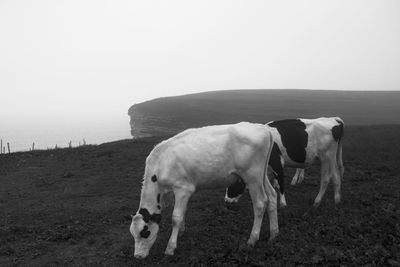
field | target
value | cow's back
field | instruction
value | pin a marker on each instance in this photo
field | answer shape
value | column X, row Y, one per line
column 209, row 154
column 302, row 140
column 321, row 135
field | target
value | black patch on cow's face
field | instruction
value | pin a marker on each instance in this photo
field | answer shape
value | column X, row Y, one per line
column 294, row 138
column 236, row 188
column 158, row 198
column 276, row 165
column 147, row 217
column 158, row 207
column 145, row 233
column 337, row 131
column 154, row 178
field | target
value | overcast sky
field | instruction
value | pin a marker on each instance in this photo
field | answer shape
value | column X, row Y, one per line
column 83, row 60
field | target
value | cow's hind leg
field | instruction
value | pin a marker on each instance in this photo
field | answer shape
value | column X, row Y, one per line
column 276, row 163
column 272, row 209
column 325, row 177
column 336, row 179
column 182, row 196
column 259, row 200
column 263, row 196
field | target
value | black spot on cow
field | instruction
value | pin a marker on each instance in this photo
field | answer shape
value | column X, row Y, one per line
column 145, row 233
column 276, row 165
column 158, row 207
column 154, row 178
column 294, row 138
column 337, row 131
column 236, row 188
column 158, row 198
column 156, row 218
column 147, row 217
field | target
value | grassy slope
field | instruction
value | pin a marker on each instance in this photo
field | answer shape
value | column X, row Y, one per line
column 356, row 108
column 72, row 206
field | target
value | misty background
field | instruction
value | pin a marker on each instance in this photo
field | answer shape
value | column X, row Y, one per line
column 71, row 69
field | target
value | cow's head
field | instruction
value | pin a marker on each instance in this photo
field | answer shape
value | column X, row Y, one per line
column 144, row 229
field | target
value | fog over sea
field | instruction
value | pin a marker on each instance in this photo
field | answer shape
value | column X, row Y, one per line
column 48, row 134
column 70, row 70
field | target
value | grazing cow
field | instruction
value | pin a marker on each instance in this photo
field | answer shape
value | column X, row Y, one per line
column 297, row 143
column 208, row 157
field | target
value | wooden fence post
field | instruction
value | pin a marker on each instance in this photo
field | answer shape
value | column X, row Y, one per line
column 1, row 146
column 8, row 146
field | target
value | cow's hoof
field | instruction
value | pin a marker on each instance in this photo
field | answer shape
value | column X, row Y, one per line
column 246, row 247
column 231, row 200
column 316, row 204
column 338, row 205
column 272, row 235
column 271, row 239
column 140, row 256
column 337, row 200
column 169, row 251
column 251, row 243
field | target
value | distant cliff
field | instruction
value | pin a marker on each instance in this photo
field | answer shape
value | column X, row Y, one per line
column 169, row 115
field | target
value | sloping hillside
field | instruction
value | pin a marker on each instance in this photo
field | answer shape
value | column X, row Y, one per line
column 71, row 207
column 164, row 116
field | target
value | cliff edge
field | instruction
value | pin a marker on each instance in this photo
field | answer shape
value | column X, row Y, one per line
column 169, row 115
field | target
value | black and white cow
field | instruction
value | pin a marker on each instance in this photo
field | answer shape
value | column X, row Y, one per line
column 298, row 143
column 208, row 157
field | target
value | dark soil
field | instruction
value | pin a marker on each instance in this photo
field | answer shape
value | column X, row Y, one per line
column 73, row 206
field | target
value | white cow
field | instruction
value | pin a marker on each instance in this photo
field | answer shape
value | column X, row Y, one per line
column 208, row 157
column 298, row 143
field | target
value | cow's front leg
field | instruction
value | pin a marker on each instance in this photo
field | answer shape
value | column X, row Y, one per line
column 280, row 178
column 182, row 196
column 298, row 177
column 282, row 201
column 182, row 228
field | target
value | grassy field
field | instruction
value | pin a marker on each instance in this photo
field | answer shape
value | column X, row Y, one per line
column 73, row 206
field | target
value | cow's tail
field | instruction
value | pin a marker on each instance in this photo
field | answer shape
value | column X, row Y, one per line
column 271, row 144
column 339, row 160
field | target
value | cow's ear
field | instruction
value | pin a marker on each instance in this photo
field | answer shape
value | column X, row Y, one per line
column 137, row 217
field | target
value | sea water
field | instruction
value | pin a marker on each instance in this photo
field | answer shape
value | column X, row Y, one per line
column 48, row 134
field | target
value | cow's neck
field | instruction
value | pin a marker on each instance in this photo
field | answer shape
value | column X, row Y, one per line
column 150, row 197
